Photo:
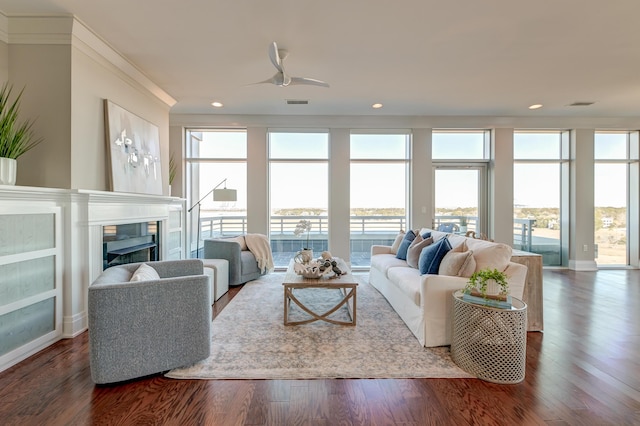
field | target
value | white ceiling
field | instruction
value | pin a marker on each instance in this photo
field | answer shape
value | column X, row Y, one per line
column 417, row 57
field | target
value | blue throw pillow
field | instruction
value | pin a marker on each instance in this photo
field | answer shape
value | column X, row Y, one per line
column 426, row 235
column 404, row 245
column 431, row 256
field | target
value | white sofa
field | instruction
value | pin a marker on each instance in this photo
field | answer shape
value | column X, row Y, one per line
column 424, row 302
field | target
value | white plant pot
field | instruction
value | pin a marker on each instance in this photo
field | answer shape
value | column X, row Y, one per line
column 8, row 169
column 493, row 288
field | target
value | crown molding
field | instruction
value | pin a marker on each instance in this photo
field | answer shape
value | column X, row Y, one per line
column 40, row 29
column 84, row 37
column 68, row 30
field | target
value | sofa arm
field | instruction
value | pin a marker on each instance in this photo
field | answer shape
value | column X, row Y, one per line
column 230, row 250
column 378, row 249
column 436, row 299
column 517, row 278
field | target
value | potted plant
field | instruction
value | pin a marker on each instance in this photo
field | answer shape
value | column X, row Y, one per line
column 306, row 254
column 172, row 171
column 463, row 224
column 488, row 283
column 16, row 136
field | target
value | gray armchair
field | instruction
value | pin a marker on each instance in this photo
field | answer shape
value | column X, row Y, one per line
column 146, row 327
column 243, row 265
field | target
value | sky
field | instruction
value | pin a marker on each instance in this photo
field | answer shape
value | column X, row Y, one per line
column 382, row 185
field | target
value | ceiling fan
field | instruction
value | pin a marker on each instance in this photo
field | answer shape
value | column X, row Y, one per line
column 281, row 78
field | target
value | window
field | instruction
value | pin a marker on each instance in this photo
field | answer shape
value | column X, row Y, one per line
column 378, row 192
column 611, row 192
column 460, row 168
column 214, row 155
column 537, row 177
column 458, row 145
column 298, row 190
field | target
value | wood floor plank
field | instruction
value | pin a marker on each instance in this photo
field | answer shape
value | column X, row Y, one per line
column 584, row 369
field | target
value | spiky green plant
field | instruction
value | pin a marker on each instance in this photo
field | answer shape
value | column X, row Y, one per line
column 16, row 137
column 173, row 169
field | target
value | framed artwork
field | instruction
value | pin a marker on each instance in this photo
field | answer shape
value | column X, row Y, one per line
column 133, row 150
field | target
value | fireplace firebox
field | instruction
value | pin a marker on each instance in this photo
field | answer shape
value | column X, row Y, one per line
column 130, row 243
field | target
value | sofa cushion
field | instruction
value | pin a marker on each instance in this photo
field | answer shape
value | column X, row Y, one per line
column 408, row 282
column 489, row 254
column 144, row 273
column 458, row 263
column 382, row 262
column 431, row 256
column 396, row 242
column 404, row 245
column 413, row 254
column 456, row 240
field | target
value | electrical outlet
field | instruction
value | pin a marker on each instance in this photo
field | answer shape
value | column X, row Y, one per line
column 585, row 248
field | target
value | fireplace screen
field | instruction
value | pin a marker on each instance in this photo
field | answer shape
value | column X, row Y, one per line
column 130, row 243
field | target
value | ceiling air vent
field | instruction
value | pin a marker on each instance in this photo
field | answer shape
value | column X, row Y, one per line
column 297, row 102
column 581, row 103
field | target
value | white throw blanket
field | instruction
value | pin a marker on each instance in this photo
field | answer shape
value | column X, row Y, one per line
column 258, row 244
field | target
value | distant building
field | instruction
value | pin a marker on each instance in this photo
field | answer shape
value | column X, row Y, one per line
column 607, row 222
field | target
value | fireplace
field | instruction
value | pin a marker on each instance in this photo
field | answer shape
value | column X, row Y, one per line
column 130, row 243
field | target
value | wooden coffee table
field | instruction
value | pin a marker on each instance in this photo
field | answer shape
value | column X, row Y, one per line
column 346, row 284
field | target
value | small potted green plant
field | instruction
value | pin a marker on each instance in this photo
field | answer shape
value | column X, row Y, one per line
column 16, row 137
column 488, row 283
column 463, row 224
column 173, row 169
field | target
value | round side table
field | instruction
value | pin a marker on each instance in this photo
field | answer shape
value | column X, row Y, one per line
column 490, row 343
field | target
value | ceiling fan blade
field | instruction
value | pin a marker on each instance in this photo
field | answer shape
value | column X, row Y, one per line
column 275, row 57
column 308, row 81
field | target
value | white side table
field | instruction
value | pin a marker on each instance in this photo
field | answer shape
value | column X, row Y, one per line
column 218, row 271
column 490, row 343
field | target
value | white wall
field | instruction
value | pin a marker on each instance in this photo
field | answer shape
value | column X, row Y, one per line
column 44, row 71
column 4, row 62
column 94, row 80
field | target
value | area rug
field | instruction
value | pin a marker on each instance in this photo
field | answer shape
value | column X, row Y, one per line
column 250, row 341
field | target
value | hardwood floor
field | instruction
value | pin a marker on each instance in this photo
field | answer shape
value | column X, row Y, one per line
column 584, row 369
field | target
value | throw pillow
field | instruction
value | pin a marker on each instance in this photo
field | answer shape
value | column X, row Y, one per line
column 455, row 263
column 144, row 273
column 404, row 245
column 431, row 256
column 413, row 254
column 426, row 235
column 396, row 243
column 468, row 268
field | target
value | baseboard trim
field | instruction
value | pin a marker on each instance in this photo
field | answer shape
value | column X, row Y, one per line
column 583, row 265
column 74, row 325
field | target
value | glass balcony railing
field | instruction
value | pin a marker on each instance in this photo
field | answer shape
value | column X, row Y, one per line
column 366, row 231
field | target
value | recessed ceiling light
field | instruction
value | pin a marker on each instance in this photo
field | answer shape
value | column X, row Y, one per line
column 376, row 106
column 535, row 106
column 217, row 104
